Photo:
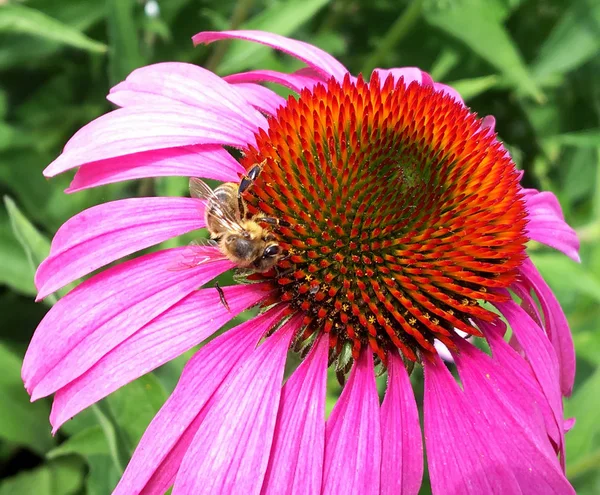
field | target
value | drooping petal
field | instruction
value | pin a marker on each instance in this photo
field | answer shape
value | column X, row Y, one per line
column 230, row 452
column 457, row 455
column 144, row 128
column 353, row 437
column 170, row 334
column 556, row 325
column 518, row 371
column 208, row 162
column 402, row 449
column 541, row 356
column 182, row 83
column 547, row 223
column 314, row 57
column 107, row 232
column 157, row 458
column 516, row 417
column 475, row 442
column 105, row 310
column 296, row 462
column 539, row 353
column 262, row 98
column 478, row 370
column 295, row 82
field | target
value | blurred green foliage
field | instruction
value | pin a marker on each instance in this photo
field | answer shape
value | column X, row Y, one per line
column 534, row 64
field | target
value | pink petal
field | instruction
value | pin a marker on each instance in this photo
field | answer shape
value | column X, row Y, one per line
column 144, row 128
column 295, row 82
column 409, row 74
column 450, row 91
column 352, row 435
column 547, row 223
column 489, row 122
column 459, row 457
column 569, row 424
column 208, row 162
column 402, row 449
column 296, row 463
column 518, row 371
column 170, row 334
column 539, row 353
column 107, row 232
column 158, row 456
column 484, row 381
column 230, row 452
column 103, row 311
column 476, row 439
column 556, row 325
column 314, row 57
column 169, row 82
column 262, row 98
column 477, row 369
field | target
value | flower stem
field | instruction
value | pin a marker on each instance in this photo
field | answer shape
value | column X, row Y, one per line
column 240, row 12
column 118, row 451
column 398, row 30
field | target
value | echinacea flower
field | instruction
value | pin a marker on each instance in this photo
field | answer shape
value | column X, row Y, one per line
column 403, row 226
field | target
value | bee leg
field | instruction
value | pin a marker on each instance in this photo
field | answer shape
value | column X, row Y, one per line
column 282, row 273
column 222, row 296
column 274, row 221
column 249, row 179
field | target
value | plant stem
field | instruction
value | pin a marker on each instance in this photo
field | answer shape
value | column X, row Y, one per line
column 240, row 12
column 396, row 32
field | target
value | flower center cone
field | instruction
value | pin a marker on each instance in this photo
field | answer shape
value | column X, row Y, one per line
column 399, row 214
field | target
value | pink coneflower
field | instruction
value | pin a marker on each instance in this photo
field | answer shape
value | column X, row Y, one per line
column 401, row 222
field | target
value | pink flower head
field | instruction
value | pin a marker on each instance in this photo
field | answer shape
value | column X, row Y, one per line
column 397, row 213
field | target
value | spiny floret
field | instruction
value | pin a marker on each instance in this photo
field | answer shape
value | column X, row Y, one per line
column 403, row 213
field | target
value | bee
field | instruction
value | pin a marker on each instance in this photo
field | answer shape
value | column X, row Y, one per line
column 244, row 241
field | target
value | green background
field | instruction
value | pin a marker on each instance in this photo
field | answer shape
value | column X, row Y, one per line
column 534, row 64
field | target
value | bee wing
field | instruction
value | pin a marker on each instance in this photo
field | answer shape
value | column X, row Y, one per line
column 204, row 242
column 197, row 252
column 200, row 190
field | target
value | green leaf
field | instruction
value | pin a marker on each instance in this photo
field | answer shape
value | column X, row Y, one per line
column 117, row 444
column 103, row 476
column 21, row 421
column 125, row 54
column 587, row 345
column 585, row 436
column 125, row 415
column 24, row 20
column 589, row 138
column 60, row 477
column 480, row 28
column 77, row 14
column 15, row 269
column 90, row 441
column 36, row 246
column 447, row 60
column 281, row 18
column 573, row 41
column 470, row 88
column 135, row 405
column 578, row 181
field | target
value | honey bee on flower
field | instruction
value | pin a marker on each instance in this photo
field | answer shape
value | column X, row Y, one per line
column 394, row 217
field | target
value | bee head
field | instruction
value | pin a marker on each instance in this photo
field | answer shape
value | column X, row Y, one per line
column 269, row 257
